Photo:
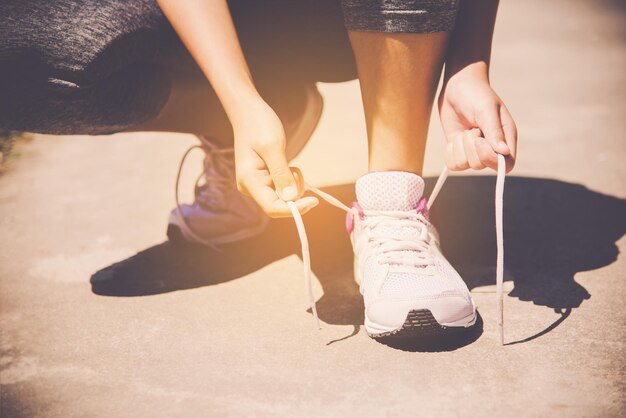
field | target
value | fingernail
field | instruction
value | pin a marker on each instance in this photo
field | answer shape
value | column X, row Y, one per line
column 289, row 193
column 503, row 146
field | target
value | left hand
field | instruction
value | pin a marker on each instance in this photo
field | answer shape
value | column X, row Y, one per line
column 261, row 165
column 476, row 123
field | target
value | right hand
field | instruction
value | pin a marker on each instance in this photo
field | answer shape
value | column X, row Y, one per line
column 476, row 122
column 261, row 164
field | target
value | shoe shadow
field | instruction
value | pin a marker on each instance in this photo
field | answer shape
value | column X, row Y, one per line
column 552, row 230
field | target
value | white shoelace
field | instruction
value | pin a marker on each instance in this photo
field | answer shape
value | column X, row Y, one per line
column 391, row 249
column 417, row 245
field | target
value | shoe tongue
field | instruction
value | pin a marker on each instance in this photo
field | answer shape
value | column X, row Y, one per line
column 389, row 190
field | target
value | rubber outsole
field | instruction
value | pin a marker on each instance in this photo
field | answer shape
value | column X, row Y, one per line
column 419, row 323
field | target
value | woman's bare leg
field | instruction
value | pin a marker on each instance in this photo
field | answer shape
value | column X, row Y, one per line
column 399, row 75
column 193, row 107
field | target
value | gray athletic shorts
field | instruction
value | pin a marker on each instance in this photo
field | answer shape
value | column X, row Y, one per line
column 102, row 66
column 409, row 16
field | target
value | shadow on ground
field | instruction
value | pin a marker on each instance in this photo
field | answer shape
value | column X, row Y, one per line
column 552, row 231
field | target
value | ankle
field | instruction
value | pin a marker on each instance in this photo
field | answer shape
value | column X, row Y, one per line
column 390, row 150
column 378, row 165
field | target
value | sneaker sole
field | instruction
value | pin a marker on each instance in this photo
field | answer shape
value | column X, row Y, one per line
column 421, row 323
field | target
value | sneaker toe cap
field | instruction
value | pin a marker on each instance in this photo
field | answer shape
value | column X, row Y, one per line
column 447, row 310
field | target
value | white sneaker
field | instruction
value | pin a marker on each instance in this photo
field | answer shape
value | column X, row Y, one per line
column 410, row 289
column 408, row 286
column 219, row 213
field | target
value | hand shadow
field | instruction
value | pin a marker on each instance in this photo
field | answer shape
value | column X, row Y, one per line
column 552, row 230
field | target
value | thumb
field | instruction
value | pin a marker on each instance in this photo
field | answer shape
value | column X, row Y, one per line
column 491, row 126
column 282, row 176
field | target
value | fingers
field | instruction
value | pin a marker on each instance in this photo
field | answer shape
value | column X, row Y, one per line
column 460, row 158
column 264, row 174
column 488, row 119
column 479, row 147
column 510, row 133
column 485, row 153
column 284, row 182
column 297, row 175
column 451, row 154
column 469, row 146
column 470, row 150
column 255, row 181
column 261, row 190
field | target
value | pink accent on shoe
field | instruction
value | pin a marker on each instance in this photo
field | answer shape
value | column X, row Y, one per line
column 350, row 216
column 349, row 222
column 422, row 206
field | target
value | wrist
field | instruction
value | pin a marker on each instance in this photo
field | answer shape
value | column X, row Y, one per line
column 243, row 104
column 477, row 71
column 255, row 119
